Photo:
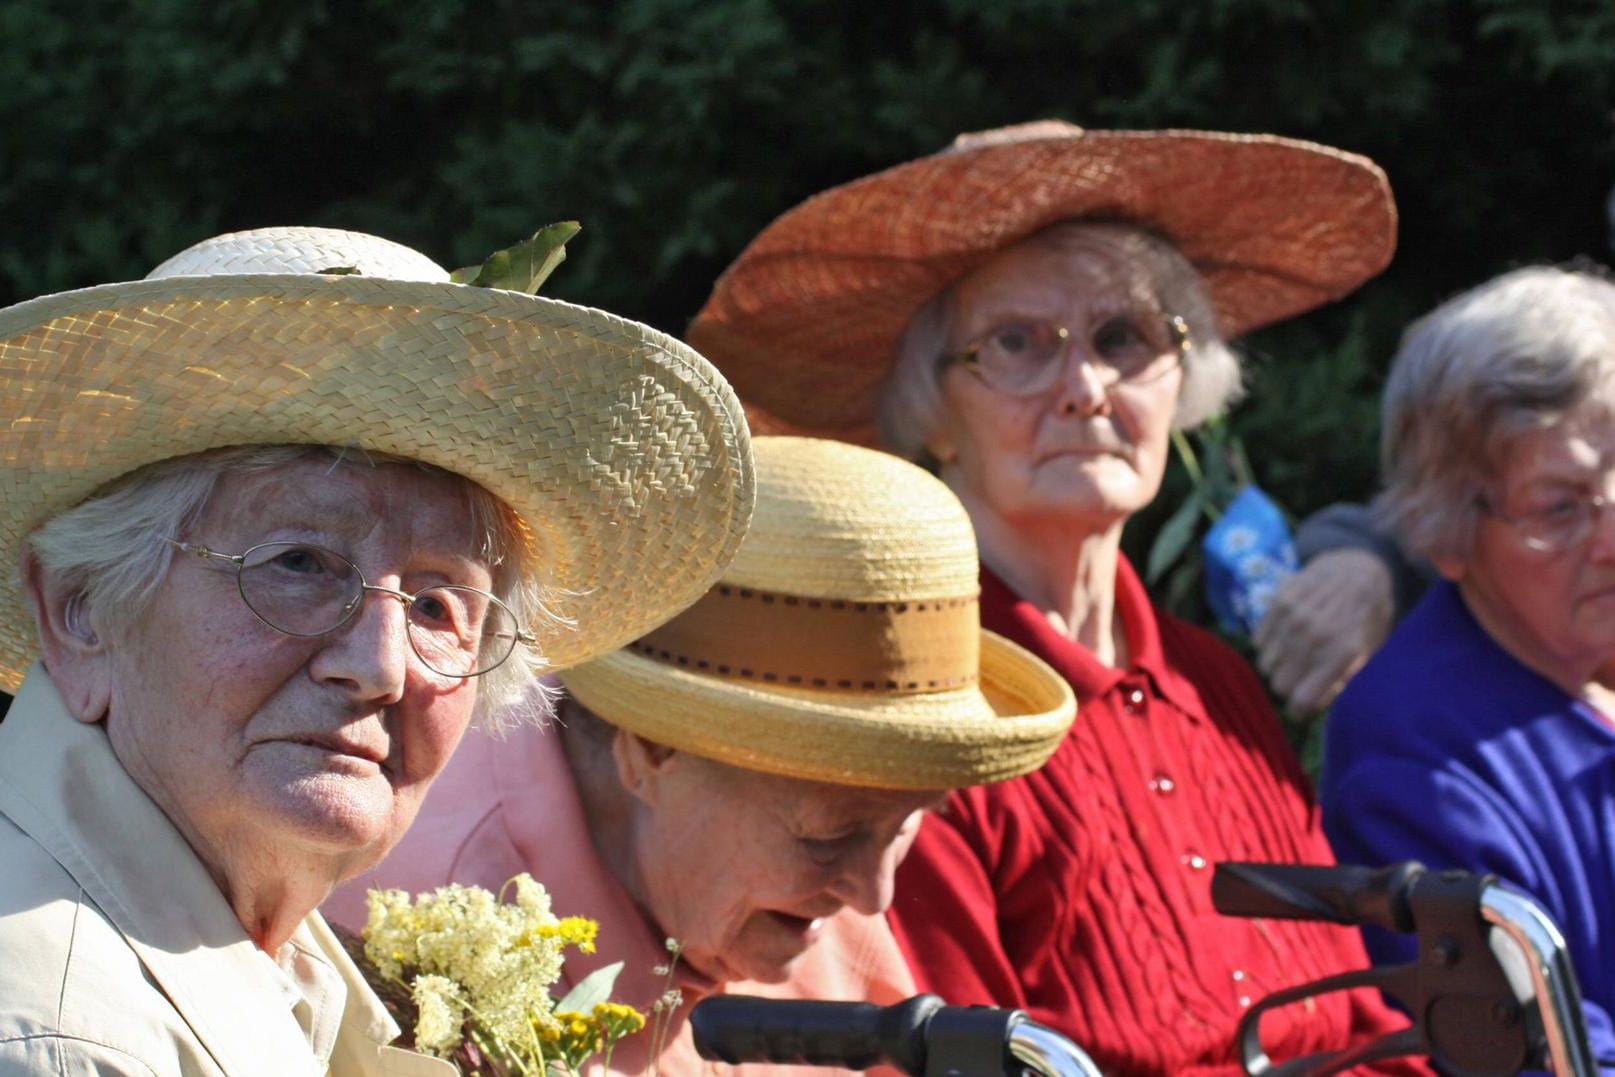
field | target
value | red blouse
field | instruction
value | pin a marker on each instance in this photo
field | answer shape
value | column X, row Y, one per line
column 1081, row 893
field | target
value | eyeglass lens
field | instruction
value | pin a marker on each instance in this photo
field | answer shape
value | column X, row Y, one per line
column 1561, row 525
column 306, row 590
column 1025, row 355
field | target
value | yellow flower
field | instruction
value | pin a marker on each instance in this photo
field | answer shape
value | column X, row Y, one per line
column 619, row 1020
column 577, row 931
column 580, row 1036
column 463, row 952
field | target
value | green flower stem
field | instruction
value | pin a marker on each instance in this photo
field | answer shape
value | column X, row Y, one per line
column 1191, row 464
column 490, row 1052
column 537, row 1049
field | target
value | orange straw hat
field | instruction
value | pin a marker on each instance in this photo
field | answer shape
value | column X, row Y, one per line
column 806, row 320
column 622, row 451
column 843, row 644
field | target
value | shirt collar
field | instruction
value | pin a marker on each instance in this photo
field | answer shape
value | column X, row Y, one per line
column 312, row 989
column 1007, row 613
column 61, row 783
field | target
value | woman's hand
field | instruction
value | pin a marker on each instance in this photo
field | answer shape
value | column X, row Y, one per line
column 1322, row 625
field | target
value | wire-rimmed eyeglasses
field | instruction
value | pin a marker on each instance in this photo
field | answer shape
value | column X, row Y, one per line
column 1556, row 527
column 305, row 590
column 1025, row 356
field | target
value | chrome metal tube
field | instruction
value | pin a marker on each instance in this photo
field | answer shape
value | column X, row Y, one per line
column 1552, row 976
column 1048, row 1052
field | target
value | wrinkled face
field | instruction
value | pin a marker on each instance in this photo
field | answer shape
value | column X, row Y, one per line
column 1079, row 450
column 742, row 867
column 257, row 743
column 1553, row 610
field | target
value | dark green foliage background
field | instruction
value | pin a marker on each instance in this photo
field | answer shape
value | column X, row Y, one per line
column 674, row 129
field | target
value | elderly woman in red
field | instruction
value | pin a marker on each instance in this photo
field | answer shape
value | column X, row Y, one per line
column 1033, row 312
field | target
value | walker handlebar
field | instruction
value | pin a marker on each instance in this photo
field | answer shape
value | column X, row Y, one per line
column 1476, row 1009
column 1479, row 1006
column 851, row 1035
column 1341, row 894
column 920, row 1036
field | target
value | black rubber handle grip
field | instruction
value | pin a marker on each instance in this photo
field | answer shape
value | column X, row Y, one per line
column 1339, row 893
column 852, row 1035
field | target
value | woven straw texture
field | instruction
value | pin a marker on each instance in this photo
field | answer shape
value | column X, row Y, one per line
column 806, row 321
column 835, row 521
column 623, row 451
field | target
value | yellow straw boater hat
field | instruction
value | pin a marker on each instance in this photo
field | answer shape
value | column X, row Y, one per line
column 806, row 321
column 843, row 644
column 623, row 452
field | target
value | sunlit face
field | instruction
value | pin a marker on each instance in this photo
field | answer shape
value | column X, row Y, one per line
column 1555, row 611
column 1080, row 450
column 742, row 868
column 257, row 743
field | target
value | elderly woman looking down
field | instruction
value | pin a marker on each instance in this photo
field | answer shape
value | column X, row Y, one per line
column 1034, row 310
column 282, row 533
column 1482, row 735
column 746, row 778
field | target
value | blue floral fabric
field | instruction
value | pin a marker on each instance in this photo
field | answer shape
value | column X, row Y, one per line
column 1248, row 553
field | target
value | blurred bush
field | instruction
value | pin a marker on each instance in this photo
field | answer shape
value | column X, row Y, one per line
column 674, row 129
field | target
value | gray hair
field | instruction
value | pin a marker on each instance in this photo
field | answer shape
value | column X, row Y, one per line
column 1509, row 356
column 112, row 548
column 909, row 406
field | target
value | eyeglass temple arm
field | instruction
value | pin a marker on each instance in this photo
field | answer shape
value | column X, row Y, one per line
column 203, row 552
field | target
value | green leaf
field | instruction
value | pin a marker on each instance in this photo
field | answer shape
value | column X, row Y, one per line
column 1182, row 584
column 1175, row 535
column 591, row 990
column 524, row 267
column 1218, row 482
column 1186, row 454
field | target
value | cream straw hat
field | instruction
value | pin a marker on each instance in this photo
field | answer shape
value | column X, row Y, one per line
column 624, row 453
column 806, row 320
column 844, row 643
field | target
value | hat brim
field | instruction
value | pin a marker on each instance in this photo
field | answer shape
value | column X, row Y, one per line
column 805, row 322
column 623, row 452
column 933, row 740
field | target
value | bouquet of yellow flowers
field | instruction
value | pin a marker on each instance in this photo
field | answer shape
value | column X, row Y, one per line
column 479, row 973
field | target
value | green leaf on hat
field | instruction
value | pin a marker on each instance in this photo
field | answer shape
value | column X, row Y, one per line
column 524, row 267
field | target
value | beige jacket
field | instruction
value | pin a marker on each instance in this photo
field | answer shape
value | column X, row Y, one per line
column 118, row 954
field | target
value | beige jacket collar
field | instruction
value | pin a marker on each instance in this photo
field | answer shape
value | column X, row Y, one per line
column 61, row 783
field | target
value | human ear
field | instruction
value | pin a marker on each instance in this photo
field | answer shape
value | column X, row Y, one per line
column 72, row 643
column 1451, row 568
column 939, row 443
column 641, row 764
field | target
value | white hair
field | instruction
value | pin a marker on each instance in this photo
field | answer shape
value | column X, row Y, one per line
column 1509, row 356
column 909, row 406
column 112, row 548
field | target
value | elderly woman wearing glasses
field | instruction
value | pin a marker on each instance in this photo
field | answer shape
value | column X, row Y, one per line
column 745, row 778
column 1482, row 735
column 1033, row 312
column 286, row 516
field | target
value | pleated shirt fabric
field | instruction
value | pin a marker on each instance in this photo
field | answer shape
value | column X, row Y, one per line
column 1081, row 892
